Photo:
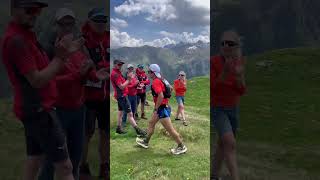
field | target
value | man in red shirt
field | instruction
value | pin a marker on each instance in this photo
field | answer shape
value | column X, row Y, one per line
column 162, row 111
column 227, row 85
column 132, row 93
column 97, row 100
column 141, row 90
column 32, row 76
column 120, row 86
column 71, row 90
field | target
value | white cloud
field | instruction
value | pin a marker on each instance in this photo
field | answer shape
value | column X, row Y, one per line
column 156, row 9
column 200, row 3
column 123, row 39
column 118, row 23
column 188, row 37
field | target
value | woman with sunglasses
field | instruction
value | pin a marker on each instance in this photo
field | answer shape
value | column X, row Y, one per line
column 180, row 88
column 227, row 85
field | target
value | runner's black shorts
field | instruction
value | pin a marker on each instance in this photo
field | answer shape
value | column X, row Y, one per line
column 99, row 111
column 143, row 97
column 124, row 104
column 45, row 136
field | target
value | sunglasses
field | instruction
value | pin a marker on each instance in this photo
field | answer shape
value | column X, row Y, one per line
column 229, row 44
column 32, row 11
column 181, row 75
column 66, row 24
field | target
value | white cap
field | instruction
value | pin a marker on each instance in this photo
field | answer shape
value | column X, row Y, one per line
column 155, row 69
column 63, row 12
column 182, row 73
column 130, row 66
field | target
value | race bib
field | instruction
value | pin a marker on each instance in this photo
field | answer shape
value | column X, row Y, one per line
column 94, row 84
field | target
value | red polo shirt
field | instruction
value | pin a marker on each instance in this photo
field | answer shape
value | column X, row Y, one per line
column 117, row 79
column 22, row 55
column 158, row 87
column 226, row 93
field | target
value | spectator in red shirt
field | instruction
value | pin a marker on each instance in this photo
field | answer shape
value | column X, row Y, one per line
column 141, row 90
column 180, row 88
column 162, row 111
column 70, row 101
column 227, row 85
column 120, row 86
column 32, row 76
column 97, row 101
column 132, row 92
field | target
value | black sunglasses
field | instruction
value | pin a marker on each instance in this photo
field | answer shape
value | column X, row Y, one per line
column 181, row 75
column 229, row 43
column 32, row 10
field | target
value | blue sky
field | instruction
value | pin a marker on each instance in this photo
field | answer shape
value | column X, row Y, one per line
column 158, row 22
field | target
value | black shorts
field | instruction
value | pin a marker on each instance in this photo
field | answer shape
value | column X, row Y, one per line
column 142, row 97
column 99, row 111
column 45, row 135
column 124, row 104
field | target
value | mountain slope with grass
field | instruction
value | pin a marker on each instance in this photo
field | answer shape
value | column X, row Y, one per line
column 131, row 162
column 279, row 120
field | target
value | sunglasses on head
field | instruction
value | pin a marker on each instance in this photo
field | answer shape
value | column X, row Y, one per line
column 229, row 43
column 32, row 10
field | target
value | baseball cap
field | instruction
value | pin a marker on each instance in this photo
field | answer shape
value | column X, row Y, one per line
column 130, row 66
column 155, row 69
column 28, row 3
column 63, row 12
column 98, row 15
column 182, row 73
column 118, row 61
column 140, row 66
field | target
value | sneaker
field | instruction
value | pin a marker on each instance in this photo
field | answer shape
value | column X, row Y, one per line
column 141, row 142
column 120, row 131
column 185, row 123
column 136, row 116
column 177, row 119
column 140, row 132
column 104, row 169
column 143, row 116
column 85, row 169
column 179, row 150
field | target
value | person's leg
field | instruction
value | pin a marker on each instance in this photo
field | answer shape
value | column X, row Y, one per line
column 229, row 151
column 32, row 166
column 90, row 119
column 64, row 170
column 137, row 107
column 103, row 124
column 75, row 138
column 178, row 99
column 133, row 103
column 143, row 102
column 182, row 109
column 218, row 158
column 124, row 119
column 152, row 123
column 166, row 123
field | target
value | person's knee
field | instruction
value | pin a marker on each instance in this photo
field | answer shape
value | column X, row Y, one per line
column 229, row 143
column 64, row 168
column 35, row 161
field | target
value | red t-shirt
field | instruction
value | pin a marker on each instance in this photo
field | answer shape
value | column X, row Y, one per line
column 179, row 88
column 226, row 93
column 22, row 55
column 117, row 79
column 99, row 46
column 132, row 87
column 143, row 78
column 158, row 87
column 70, row 83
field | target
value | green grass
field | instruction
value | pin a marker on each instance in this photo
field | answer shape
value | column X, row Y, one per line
column 12, row 146
column 279, row 127
column 131, row 162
